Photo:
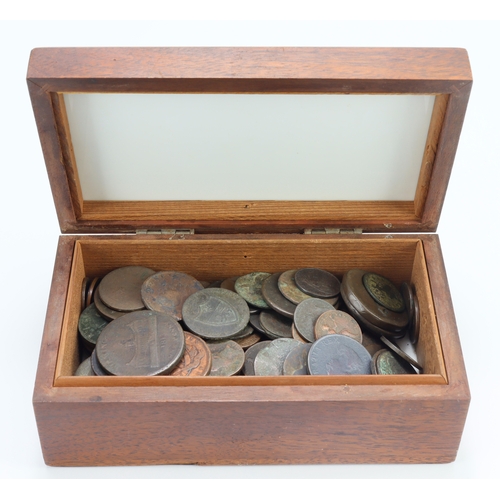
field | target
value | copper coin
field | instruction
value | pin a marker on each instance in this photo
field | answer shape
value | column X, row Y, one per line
column 415, row 329
column 251, row 352
column 141, row 343
column 269, row 361
column 91, row 291
column 104, row 310
column 337, row 322
column 407, row 294
column 197, row 358
column 338, row 355
column 227, row 358
column 215, row 284
column 297, row 336
column 287, row 286
column 96, row 365
column 215, row 313
column 165, row 292
column 85, row 369
column 384, row 292
column 90, row 325
column 250, row 288
column 85, row 285
column 275, row 325
column 205, row 284
column 248, row 341
column 275, row 298
column 353, row 289
column 255, row 322
column 296, row 361
column 394, row 348
column 371, row 344
column 317, row 282
column 228, row 283
column 385, row 362
column 306, row 315
column 121, row 289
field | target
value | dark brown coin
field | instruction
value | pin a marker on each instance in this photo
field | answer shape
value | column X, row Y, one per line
column 141, row 343
column 96, row 366
column 85, row 369
column 338, row 355
column 407, row 294
column 255, row 322
column 215, row 313
column 249, row 340
column 166, row 291
column 306, row 315
column 275, row 298
column 248, row 330
column 215, row 284
column 296, row 361
column 85, row 286
column 91, row 291
column 297, row 336
column 394, row 348
column 415, row 328
column 227, row 358
column 228, row 283
column 385, row 362
column 355, row 295
column 250, row 288
column 371, row 343
column 205, row 284
column 269, row 361
column 275, row 325
column 337, row 322
column 384, row 292
column 121, row 289
column 104, row 310
column 251, row 352
column 197, row 358
column 90, row 326
column 317, row 282
column 287, row 286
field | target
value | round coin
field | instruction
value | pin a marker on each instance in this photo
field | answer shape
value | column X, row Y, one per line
column 141, row 343
column 227, row 358
column 269, row 361
column 255, row 322
column 296, row 361
column 415, row 328
column 306, row 315
column 215, row 313
column 250, row 288
column 96, row 366
column 166, row 292
column 121, row 289
column 91, row 289
column 250, row 354
column 297, row 336
column 317, row 282
column 275, row 325
column 85, row 285
column 228, row 283
column 287, row 286
column 387, row 363
column 401, row 353
column 90, row 326
column 275, row 298
column 85, row 369
column 371, row 343
column 384, row 292
column 104, row 310
column 197, row 358
column 338, row 355
column 337, row 322
column 249, row 340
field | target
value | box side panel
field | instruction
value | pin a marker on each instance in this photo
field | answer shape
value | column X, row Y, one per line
column 383, row 431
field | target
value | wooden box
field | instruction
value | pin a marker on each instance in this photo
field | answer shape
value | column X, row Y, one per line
column 248, row 420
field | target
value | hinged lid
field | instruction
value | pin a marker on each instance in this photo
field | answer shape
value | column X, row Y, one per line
column 249, row 139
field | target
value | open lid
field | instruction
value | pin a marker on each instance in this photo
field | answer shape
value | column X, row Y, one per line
column 249, row 139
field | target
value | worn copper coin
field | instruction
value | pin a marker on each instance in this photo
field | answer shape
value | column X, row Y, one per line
column 251, row 352
column 275, row 298
column 197, row 358
column 92, row 287
column 385, row 362
column 96, row 365
column 269, row 361
column 90, row 325
column 227, row 358
column 306, row 315
column 228, row 283
column 317, row 282
column 248, row 330
column 104, row 310
column 141, row 343
column 85, row 369
column 393, row 347
column 121, row 289
column 275, row 325
column 338, row 355
column 337, row 322
column 384, row 292
column 255, row 322
column 215, row 284
column 296, row 361
column 250, row 288
column 297, row 336
column 371, row 343
column 215, row 313
column 407, row 294
column 166, row 291
column 287, row 286
column 415, row 328
column 249, row 340
column 85, row 285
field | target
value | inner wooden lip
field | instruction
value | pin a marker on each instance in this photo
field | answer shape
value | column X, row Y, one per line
column 399, row 260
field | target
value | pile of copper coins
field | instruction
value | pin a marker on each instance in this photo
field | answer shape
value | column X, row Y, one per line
column 139, row 322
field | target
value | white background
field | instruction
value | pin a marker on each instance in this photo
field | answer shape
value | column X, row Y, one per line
column 468, row 230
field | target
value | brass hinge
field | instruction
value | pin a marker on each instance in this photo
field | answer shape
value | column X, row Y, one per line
column 164, row 231
column 333, row 230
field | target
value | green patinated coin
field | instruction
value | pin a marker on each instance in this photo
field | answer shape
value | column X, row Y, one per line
column 90, row 325
column 250, row 288
column 386, row 363
column 384, row 292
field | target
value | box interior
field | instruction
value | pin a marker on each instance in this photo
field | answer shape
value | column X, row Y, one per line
column 398, row 259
